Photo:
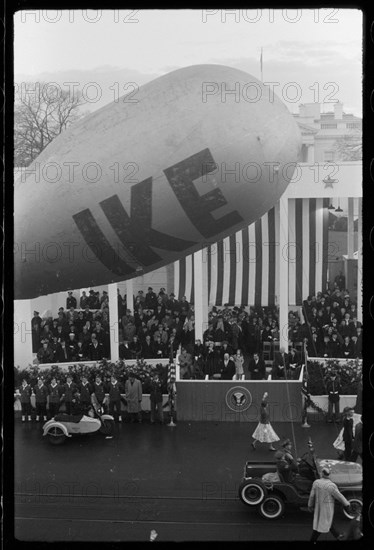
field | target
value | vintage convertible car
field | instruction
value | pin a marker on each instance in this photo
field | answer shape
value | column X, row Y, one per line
column 262, row 488
column 62, row 426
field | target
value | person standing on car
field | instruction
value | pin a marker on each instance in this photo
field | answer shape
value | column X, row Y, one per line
column 347, row 432
column 264, row 432
column 321, row 500
column 357, row 442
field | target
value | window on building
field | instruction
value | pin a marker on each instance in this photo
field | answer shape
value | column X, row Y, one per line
column 329, row 156
column 352, row 125
column 329, row 126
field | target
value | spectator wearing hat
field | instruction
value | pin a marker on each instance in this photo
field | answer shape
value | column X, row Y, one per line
column 321, row 501
column 54, row 396
column 185, row 364
column 115, row 390
column 134, row 396
column 172, row 303
column 150, row 299
column 333, row 389
column 83, row 300
column 25, row 398
column 147, row 348
column 357, row 343
column 72, row 346
column 155, row 396
column 69, row 393
column 36, row 322
column 41, row 394
column 71, row 301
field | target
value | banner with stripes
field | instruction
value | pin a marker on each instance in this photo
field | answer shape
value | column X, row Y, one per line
column 243, row 269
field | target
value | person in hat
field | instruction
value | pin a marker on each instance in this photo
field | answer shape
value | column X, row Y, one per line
column 85, row 391
column 71, row 301
column 25, row 398
column 115, row 390
column 41, row 394
column 333, row 389
column 155, row 397
column 69, row 391
column 134, row 396
column 150, row 299
column 36, row 322
column 264, row 433
column 321, row 501
column 347, row 432
column 54, row 397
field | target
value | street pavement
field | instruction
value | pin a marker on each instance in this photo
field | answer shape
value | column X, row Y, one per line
column 180, row 481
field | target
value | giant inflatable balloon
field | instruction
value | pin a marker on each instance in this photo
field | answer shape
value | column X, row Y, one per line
column 181, row 163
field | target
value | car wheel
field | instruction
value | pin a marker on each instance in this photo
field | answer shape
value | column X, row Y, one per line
column 355, row 504
column 56, row 435
column 106, row 427
column 272, row 507
column 251, row 493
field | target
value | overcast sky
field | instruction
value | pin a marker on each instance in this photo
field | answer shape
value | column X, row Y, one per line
column 321, row 50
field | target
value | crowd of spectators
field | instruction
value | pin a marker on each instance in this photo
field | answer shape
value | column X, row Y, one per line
column 159, row 325
column 75, row 334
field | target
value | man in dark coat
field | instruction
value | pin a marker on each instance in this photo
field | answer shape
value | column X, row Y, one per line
column 115, row 390
column 155, row 396
column 55, row 392
column 36, row 321
column 257, row 368
column 227, row 368
column 85, row 391
column 95, row 349
column 71, row 301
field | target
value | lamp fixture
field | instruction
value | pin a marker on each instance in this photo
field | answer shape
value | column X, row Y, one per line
column 338, row 209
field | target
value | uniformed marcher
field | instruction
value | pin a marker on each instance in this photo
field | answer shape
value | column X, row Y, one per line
column 25, row 398
column 85, row 391
column 333, row 392
column 99, row 391
column 115, row 390
column 69, row 391
column 54, row 392
column 41, row 393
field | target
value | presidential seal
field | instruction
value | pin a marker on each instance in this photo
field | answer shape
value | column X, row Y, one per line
column 238, row 399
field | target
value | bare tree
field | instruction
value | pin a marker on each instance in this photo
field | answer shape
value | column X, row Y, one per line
column 42, row 111
column 349, row 146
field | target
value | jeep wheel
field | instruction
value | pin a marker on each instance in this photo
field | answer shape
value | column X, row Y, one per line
column 355, row 504
column 272, row 507
column 251, row 493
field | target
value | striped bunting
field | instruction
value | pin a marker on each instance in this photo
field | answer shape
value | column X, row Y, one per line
column 243, row 268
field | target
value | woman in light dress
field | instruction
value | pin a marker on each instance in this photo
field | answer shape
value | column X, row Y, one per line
column 264, row 433
column 238, row 359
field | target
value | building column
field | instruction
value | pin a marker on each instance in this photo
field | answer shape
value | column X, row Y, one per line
column 311, row 154
column 113, row 321
column 350, row 237
column 359, row 262
column 283, row 272
column 200, row 295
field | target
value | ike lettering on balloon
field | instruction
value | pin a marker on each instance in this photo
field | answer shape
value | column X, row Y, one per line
column 136, row 228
